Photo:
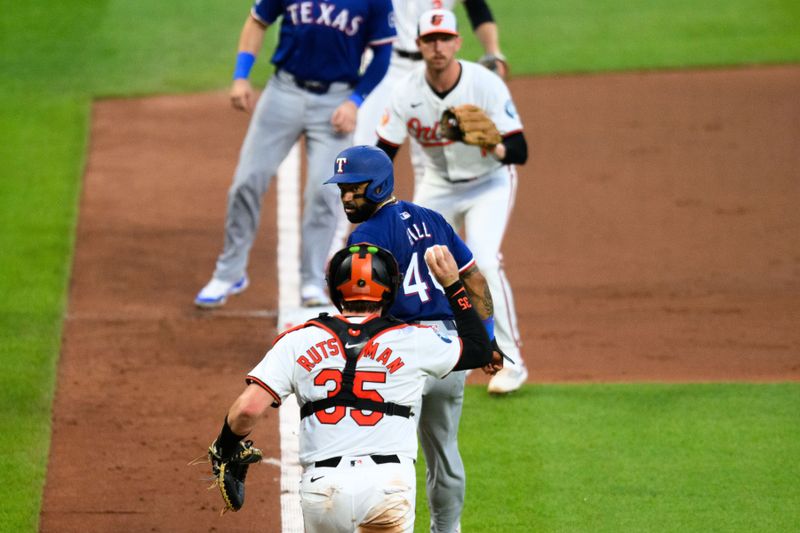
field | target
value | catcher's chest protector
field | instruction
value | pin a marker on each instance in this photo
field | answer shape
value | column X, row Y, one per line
column 353, row 338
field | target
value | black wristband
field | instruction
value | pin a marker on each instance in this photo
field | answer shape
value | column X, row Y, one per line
column 454, row 289
column 227, row 441
column 477, row 350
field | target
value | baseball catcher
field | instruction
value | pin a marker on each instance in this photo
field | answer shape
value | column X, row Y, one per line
column 471, row 125
column 230, row 458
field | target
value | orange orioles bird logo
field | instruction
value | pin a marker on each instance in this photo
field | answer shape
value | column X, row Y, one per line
column 437, row 19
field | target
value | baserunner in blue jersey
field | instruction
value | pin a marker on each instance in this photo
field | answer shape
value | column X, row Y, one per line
column 315, row 93
column 365, row 177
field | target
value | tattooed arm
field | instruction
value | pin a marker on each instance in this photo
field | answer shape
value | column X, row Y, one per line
column 478, row 291
column 481, row 298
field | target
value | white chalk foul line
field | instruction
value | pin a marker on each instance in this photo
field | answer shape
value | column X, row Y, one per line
column 288, row 183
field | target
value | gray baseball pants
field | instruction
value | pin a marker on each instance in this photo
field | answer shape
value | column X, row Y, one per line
column 438, row 435
column 283, row 114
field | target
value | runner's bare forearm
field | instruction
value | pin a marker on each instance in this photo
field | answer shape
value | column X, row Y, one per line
column 478, row 291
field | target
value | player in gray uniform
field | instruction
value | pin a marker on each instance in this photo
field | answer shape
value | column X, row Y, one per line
column 315, row 92
column 365, row 177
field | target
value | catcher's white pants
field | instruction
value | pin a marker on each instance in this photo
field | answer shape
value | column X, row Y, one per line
column 359, row 494
column 481, row 208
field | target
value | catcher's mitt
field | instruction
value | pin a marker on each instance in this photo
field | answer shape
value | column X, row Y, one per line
column 496, row 63
column 469, row 124
column 229, row 474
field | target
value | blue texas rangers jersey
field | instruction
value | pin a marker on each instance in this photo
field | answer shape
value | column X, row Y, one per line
column 324, row 41
column 407, row 230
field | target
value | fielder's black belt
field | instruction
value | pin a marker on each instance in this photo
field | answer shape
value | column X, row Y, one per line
column 333, row 462
column 405, row 54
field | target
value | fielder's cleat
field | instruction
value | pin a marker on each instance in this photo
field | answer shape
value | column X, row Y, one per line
column 311, row 296
column 216, row 292
column 508, row 379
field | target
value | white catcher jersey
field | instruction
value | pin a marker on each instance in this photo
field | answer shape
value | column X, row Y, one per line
column 392, row 368
column 415, row 110
column 406, row 15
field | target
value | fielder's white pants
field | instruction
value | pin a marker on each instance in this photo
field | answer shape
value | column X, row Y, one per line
column 359, row 493
column 482, row 208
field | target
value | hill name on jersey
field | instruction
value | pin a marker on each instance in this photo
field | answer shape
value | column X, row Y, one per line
column 415, row 234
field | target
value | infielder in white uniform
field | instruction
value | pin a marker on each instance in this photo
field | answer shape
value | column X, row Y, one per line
column 406, row 56
column 474, row 189
column 359, row 378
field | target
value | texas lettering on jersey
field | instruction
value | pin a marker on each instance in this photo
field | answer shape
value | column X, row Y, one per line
column 326, row 14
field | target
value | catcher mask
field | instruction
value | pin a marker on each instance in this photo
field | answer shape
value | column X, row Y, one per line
column 360, row 164
column 363, row 272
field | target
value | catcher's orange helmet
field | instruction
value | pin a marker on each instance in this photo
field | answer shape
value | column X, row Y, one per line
column 363, row 272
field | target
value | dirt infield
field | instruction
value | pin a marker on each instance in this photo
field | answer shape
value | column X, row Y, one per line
column 655, row 237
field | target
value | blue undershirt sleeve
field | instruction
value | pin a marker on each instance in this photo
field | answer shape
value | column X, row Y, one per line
column 377, row 68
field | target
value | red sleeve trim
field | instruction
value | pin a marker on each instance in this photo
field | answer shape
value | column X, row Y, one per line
column 295, row 328
column 467, row 266
column 258, row 19
column 393, row 145
column 252, row 380
column 379, row 42
column 510, row 133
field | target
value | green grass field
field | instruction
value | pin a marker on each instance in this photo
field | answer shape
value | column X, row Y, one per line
column 56, row 59
column 644, row 457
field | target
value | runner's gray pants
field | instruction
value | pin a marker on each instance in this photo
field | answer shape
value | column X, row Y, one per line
column 438, row 435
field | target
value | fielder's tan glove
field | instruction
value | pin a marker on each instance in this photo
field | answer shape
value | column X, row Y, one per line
column 471, row 125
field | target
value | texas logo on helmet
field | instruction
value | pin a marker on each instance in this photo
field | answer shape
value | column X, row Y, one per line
column 340, row 163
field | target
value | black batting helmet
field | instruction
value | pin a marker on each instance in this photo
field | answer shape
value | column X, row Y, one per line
column 363, row 272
